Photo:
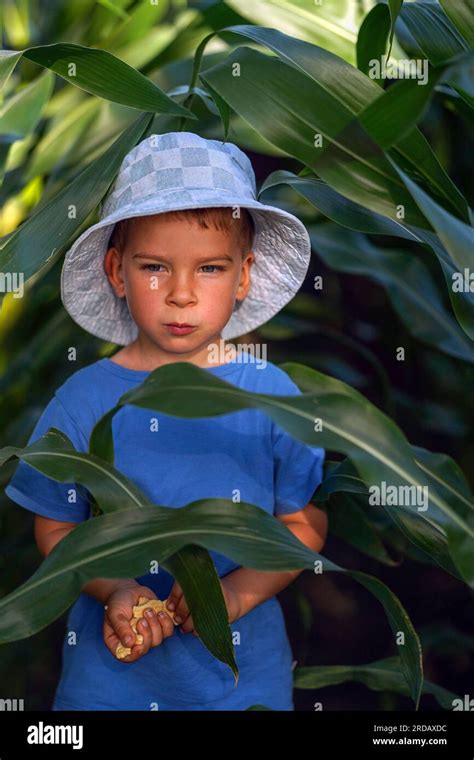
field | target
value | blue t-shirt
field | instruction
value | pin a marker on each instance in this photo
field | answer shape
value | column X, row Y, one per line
column 183, row 461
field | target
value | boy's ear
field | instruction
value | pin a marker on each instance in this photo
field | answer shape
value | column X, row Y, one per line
column 113, row 270
column 245, row 282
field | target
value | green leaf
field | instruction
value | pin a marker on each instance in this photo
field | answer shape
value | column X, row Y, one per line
column 391, row 116
column 223, row 108
column 21, row 113
column 57, row 144
column 330, row 25
column 381, row 675
column 461, row 13
column 335, row 206
column 418, row 529
column 339, row 476
column 457, row 237
column 420, row 309
column 121, row 545
column 444, row 508
column 439, row 468
column 291, row 110
column 345, row 510
column 410, row 649
column 372, row 37
column 8, row 61
column 113, row 8
column 394, row 7
column 199, row 580
column 461, row 78
column 138, row 22
column 355, row 92
column 432, row 30
column 115, row 545
column 349, row 424
column 356, row 217
column 55, row 456
column 199, row 92
column 100, row 73
column 50, row 226
column 351, row 521
column 462, row 299
column 442, row 470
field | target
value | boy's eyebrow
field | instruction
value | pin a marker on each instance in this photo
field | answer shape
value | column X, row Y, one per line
column 145, row 255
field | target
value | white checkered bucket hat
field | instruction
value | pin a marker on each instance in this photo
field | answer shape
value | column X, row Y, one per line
column 174, row 171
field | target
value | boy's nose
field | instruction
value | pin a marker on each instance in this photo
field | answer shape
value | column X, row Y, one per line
column 181, row 294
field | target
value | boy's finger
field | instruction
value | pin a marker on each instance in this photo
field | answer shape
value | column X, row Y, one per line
column 143, row 627
column 188, row 625
column 182, row 611
column 180, row 619
column 155, row 628
column 166, row 623
column 176, row 594
column 122, row 628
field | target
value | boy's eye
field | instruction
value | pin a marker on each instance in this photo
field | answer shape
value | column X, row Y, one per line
column 152, row 267
column 213, row 266
column 147, row 267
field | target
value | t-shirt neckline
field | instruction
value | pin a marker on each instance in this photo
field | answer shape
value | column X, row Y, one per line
column 140, row 375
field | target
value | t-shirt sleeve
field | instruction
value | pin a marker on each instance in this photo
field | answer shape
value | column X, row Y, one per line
column 298, row 467
column 31, row 489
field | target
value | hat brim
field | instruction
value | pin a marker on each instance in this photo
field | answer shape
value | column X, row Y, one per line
column 282, row 251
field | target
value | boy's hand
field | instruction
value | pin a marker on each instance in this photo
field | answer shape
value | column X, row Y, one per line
column 177, row 602
column 117, row 629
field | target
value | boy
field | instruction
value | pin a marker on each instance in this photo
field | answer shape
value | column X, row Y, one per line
column 183, row 258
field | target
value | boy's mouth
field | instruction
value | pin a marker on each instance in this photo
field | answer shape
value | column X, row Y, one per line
column 180, row 328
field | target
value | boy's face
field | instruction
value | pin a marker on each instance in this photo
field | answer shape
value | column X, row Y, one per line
column 174, row 271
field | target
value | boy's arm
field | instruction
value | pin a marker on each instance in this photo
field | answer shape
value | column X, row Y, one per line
column 253, row 587
column 47, row 534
